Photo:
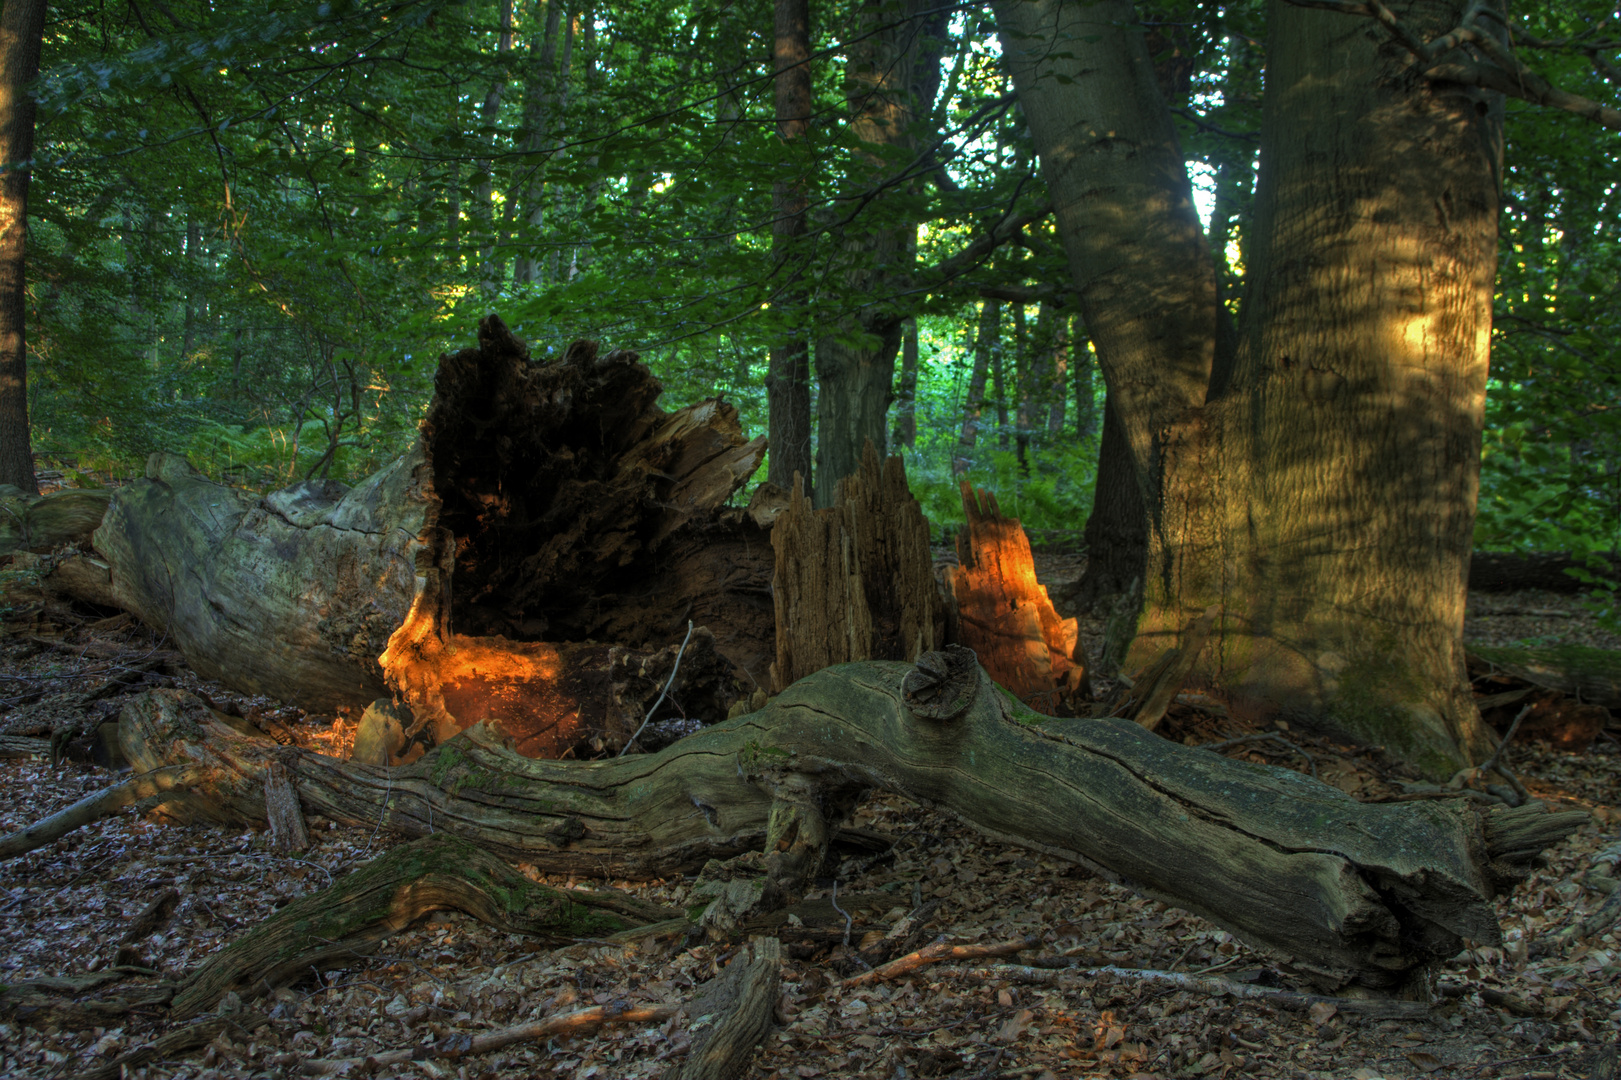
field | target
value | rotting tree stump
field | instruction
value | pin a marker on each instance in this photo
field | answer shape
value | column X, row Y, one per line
column 854, row 581
column 535, row 558
column 1348, row 893
column 1006, row 616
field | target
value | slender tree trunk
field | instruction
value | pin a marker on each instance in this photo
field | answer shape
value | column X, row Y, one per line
column 892, row 77
column 1058, row 350
column 490, row 272
column 788, row 421
column 22, row 25
column 906, row 407
column 985, row 335
column 1084, row 366
column 540, row 93
column 1116, row 534
column 1323, row 495
column 999, row 390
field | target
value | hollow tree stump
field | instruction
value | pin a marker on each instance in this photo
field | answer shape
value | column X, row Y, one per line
column 534, row 560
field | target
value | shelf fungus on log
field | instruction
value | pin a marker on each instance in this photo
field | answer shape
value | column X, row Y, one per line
column 534, row 560
column 1350, row 893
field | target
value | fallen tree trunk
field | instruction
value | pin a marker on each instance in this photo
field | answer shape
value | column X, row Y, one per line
column 1347, row 892
column 572, row 525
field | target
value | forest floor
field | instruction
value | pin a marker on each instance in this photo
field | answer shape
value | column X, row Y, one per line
column 1543, row 1005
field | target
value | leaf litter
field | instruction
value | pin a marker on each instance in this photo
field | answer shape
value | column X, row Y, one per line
column 159, row 898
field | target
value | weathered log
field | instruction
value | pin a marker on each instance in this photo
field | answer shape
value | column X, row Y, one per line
column 854, row 581
column 733, row 1014
column 1350, row 892
column 43, row 522
column 1006, row 617
column 1591, row 675
column 571, row 525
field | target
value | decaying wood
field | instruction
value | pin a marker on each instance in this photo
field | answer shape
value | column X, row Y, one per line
column 854, row 581
column 282, row 814
column 171, row 1043
column 938, row 952
column 22, row 746
column 1006, row 617
column 733, row 1014
column 387, row 895
column 1146, row 698
column 1349, row 892
column 41, row 523
column 571, row 525
column 569, row 1025
column 1590, row 675
column 144, row 785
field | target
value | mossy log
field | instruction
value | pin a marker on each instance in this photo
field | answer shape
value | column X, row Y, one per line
column 573, row 525
column 439, row 872
column 1592, row 675
column 1350, row 893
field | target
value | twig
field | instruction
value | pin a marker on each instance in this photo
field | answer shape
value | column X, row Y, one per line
column 834, row 900
column 456, row 1046
column 1491, row 762
column 941, row 950
column 1374, row 1007
column 1270, row 736
column 667, row 684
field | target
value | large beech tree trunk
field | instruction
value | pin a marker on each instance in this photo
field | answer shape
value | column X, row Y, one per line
column 571, row 525
column 1351, row 893
column 1317, row 481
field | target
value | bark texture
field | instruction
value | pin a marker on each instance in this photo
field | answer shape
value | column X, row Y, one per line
column 22, row 26
column 570, row 524
column 1362, row 893
column 1318, row 484
column 854, row 581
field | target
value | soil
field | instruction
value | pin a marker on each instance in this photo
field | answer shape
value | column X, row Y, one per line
column 1544, row 1004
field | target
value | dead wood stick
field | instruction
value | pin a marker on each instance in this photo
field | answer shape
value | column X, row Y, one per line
column 940, row 950
column 1164, row 689
column 22, row 746
column 102, row 804
column 1377, row 1008
column 741, row 1003
column 186, row 1038
column 583, row 1022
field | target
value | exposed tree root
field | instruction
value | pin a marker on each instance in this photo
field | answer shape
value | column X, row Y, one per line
column 387, row 895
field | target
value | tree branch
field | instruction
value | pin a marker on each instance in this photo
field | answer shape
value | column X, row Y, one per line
column 1503, row 71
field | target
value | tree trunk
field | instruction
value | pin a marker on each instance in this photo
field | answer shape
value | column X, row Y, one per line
column 1368, row 894
column 1116, row 530
column 973, row 408
column 893, row 74
column 22, row 25
column 535, row 558
column 906, row 398
column 1320, row 486
column 788, row 421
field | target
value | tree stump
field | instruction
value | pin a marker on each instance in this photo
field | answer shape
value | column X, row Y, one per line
column 534, row 560
column 1006, row 617
column 854, row 581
